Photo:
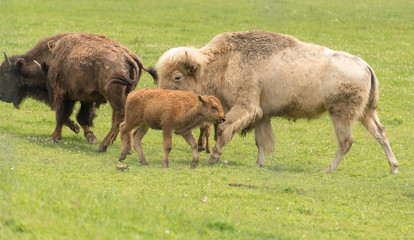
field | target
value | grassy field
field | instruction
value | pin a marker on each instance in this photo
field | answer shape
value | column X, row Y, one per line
column 69, row 191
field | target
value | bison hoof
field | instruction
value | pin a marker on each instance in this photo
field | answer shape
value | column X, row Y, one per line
column 144, row 163
column 75, row 128
column 121, row 158
column 200, row 149
column 53, row 140
column 394, row 170
column 328, row 170
column 91, row 138
column 260, row 165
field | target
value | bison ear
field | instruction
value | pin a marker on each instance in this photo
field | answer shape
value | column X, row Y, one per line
column 190, row 67
column 51, row 45
column 8, row 64
column 201, row 99
column 44, row 67
column 19, row 63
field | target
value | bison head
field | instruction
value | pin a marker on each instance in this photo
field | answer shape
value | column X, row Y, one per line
column 10, row 80
column 180, row 69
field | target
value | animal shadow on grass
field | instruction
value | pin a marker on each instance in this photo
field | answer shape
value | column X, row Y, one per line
column 69, row 143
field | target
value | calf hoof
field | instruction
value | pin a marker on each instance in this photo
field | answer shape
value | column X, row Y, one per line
column 144, row 163
column 91, row 138
column 102, row 148
column 121, row 158
column 193, row 166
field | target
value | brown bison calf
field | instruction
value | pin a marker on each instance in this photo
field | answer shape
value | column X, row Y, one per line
column 172, row 112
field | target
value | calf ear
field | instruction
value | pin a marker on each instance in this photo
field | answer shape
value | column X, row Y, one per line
column 201, row 99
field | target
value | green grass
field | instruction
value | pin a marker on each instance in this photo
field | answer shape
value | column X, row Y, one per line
column 69, row 191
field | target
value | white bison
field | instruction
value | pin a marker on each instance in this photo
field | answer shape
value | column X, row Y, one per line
column 258, row 75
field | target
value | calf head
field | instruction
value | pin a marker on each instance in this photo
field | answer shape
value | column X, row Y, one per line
column 10, row 80
column 212, row 109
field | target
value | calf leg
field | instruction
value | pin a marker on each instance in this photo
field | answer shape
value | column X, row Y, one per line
column 345, row 140
column 203, row 139
column 167, row 142
column 371, row 122
column 138, row 136
column 125, row 136
column 264, row 140
column 189, row 137
column 237, row 119
column 63, row 112
column 85, row 118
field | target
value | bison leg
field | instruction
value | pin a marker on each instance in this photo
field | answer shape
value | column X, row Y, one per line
column 117, row 118
column 63, row 112
column 138, row 136
column 264, row 140
column 85, row 118
column 238, row 119
column 167, row 142
column 371, row 122
column 345, row 140
column 189, row 137
column 72, row 125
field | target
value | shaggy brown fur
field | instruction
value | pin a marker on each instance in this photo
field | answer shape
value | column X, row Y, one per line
column 258, row 75
column 172, row 112
column 21, row 77
column 82, row 64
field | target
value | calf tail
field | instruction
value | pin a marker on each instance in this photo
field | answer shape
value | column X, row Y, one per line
column 373, row 94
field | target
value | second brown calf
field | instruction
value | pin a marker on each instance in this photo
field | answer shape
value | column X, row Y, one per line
column 170, row 111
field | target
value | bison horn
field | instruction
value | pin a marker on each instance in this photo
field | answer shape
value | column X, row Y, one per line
column 8, row 64
column 38, row 64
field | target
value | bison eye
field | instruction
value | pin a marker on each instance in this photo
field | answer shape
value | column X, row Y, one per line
column 214, row 107
column 177, row 76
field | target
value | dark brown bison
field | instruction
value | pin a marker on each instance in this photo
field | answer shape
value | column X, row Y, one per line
column 75, row 67
column 258, row 75
column 170, row 111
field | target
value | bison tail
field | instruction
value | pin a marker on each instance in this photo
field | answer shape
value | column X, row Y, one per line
column 373, row 94
column 153, row 73
column 119, row 78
